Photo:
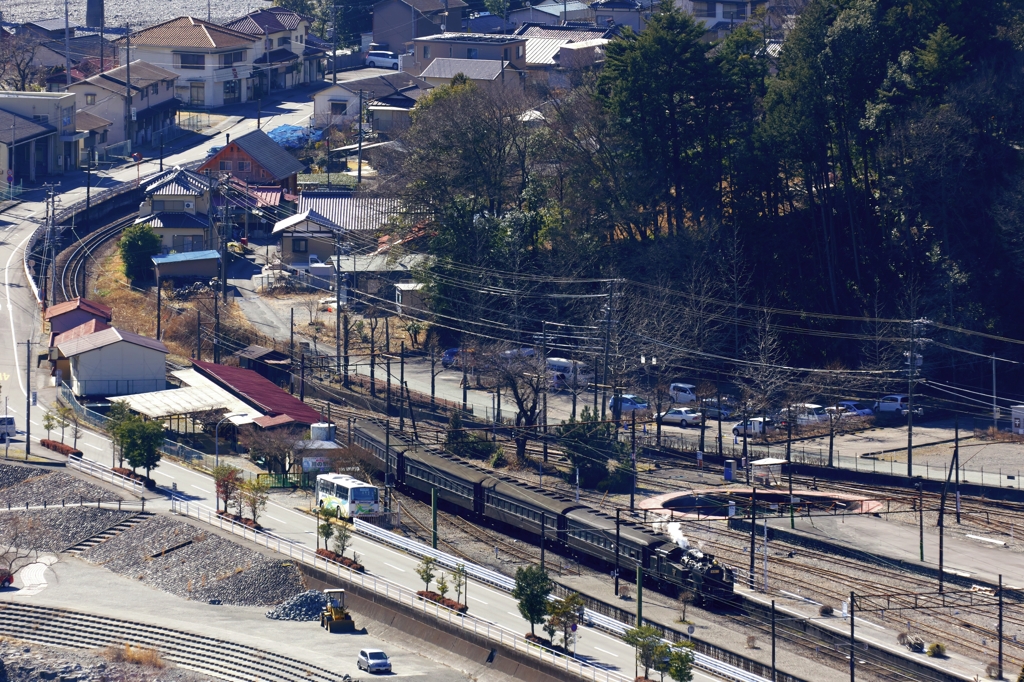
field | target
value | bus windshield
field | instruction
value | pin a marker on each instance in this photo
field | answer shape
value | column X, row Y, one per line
column 364, row 494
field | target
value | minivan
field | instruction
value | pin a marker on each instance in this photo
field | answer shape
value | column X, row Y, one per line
column 809, row 413
column 569, row 373
column 382, row 59
column 7, row 429
column 682, row 393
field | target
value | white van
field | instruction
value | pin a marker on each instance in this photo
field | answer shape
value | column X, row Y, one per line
column 809, row 413
column 7, row 429
column 569, row 373
column 682, row 393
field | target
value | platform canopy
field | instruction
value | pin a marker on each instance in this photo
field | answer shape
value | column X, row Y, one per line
column 197, row 394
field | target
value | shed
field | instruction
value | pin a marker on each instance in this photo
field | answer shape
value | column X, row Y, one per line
column 1017, row 413
column 767, row 471
column 258, row 392
column 189, row 265
column 114, row 362
column 77, row 311
column 271, row 364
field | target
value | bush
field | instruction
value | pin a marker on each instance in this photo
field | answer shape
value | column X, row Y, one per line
column 826, row 610
column 430, row 595
column 138, row 655
column 128, row 473
column 60, row 448
column 344, row 561
column 138, row 245
column 238, row 518
column 937, row 650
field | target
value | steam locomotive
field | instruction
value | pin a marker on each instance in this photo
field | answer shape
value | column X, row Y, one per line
column 565, row 524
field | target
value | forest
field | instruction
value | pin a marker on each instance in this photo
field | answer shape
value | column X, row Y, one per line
column 722, row 195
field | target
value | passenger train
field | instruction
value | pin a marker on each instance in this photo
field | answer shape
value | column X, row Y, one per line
column 572, row 527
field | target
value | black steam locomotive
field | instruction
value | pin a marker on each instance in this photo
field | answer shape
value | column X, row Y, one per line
column 571, row 527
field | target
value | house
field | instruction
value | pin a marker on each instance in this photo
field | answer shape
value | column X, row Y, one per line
column 620, row 13
column 485, row 22
column 60, row 367
column 552, row 13
column 271, row 364
column 306, row 237
column 388, row 99
column 213, row 64
column 373, row 278
column 258, row 392
column 39, row 128
column 719, row 18
column 288, row 56
column 70, row 314
column 544, row 50
column 177, row 206
column 204, row 265
column 89, row 55
column 505, row 48
column 396, row 23
column 113, row 362
column 356, row 211
column 256, row 158
column 442, row 70
column 151, row 109
column 96, row 129
column 47, row 29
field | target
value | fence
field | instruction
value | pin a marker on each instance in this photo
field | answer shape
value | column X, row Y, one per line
column 402, row 595
column 119, row 505
column 503, row 582
column 104, row 474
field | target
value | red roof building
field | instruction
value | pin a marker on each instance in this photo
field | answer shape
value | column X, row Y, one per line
column 261, row 393
column 70, row 314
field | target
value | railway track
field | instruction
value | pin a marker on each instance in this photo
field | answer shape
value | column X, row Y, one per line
column 75, row 258
column 215, row 657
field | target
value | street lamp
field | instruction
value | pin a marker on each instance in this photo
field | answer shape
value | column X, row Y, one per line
column 216, row 439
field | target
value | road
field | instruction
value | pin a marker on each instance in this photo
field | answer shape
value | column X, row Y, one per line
column 20, row 321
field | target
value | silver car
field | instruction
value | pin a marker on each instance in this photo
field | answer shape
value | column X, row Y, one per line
column 681, row 416
column 373, row 661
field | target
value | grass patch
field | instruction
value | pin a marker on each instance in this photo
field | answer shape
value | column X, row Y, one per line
column 137, row 655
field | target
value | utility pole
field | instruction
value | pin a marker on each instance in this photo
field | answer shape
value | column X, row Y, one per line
column 920, row 513
column 607, row 346
column 911, row 366
column 158, row 302
column 753, row 534
column 999, row 662
column 216, row 331
column 632, row 485
column 128, row 83
column 789, row 462
column 543, row 519
column 853, row 643
column 67, row 48
column 162, row 170
column 337, row 304
column 291, row 333
column 617, row 522
column 433, row 517
column 28, row 398
column 401, row 383
column 995, row 410
column 199, row 336
column 773, row 640
column 302, row 378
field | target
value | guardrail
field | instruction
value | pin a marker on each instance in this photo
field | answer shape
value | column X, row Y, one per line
column 506, row 583
column 119, row 505
column 104, row 474
column 402, row 595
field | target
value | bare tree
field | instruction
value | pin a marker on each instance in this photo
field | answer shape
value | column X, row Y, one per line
column 525, row 378
column 278, row 448
column 434, row 352
column 763, row 376
column 20, row 543
column 18, row 53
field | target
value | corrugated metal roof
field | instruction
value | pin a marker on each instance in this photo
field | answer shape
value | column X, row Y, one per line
column 185, row 257
column 197, row 395
column 267, row 153
column 85, row 304
column 570, row 32
column 107, row 337
column 174, row 219
column 90, row 327
column 543, row 50
column 301, row 217
column 189, row 32
column 260, row 392
column 19, row 127
column 351, row 210
column 474, row 69
column 434, row 5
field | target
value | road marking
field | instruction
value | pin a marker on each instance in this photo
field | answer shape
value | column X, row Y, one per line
column 517, row 615
column 90, row 445
column 401, row 570
column 197, row 487
column 10, row 308
column 597, row 648
column 273, row 519
column 33, row 423
column 479, row 600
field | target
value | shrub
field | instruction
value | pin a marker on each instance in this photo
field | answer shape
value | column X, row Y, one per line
column 430, row 595
column 826, row 610
column 937, row 650
column 60, row 448
column 344, row 561
column 134, row 654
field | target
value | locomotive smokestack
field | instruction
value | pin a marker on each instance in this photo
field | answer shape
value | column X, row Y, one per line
column 94, row 13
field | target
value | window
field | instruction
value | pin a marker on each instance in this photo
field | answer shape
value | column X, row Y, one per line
column 154, row 89
column 90, row 98
column 704, row 9
column 426, row 51
column 193, row 61
column 734, row 11
column 168, row 85
column 41, row 118
column 300, row 39
column 285, row 40
column 229, row 58
column 168, row 205
column 339, row 108
column 268, row 44
column 300, row 245
column 103, row 137
column 519, row 51
column 186, row 243
column 245, row 166
column 472, row 53
column 225, row 165
column 198, row 93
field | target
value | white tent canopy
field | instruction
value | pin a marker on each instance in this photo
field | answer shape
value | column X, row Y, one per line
column 198, row 394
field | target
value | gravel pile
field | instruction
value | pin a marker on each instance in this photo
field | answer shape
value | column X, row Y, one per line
column 305, row 606
column 24, row 662
column 184, row 560
column 52, row 488
column 11, row 474
column 54, row 530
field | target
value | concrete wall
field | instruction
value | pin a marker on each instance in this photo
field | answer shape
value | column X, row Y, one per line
column 395, row 24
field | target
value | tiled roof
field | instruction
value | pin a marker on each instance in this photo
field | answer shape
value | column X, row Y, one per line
column 278, row 56
column 90, row 327
column 474, row 69
column 74, row 304
column 388, row 85
column 574, row 33
column 189, row 32
column 20, row 128
column 290, row 19
column 179, row 181
column 86, row 121
column 351, row 210
column 85, row 46
column 107, row 337
column 175, row 219
column 267, row 153
column 492, row 38
column 261, row 393
column 543, row 50
column 257, row 23
column 186, row 257
column 427, row 6
column 143, row 74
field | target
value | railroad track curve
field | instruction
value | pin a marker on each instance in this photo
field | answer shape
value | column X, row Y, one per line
column 73, row 271
column 215, row 657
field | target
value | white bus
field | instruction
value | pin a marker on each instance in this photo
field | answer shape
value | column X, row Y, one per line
column 350, row 495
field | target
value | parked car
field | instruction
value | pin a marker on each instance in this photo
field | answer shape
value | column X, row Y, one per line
column 627, row 404
column 453, row 357
column 448, row 357
column 7, row 428
column 715, row 413
column 758, row 426
column 857, row 408
column 213, row 150
column 373, row 661
column 382, row 58
column 808, row 413
column 681, row 416
column 6, row 579
column 897, row 404
column 682, row 393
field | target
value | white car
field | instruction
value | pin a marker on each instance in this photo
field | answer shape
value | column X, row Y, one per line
column 758, row 426
column 896, row 404
column 628, row 404
column 682, row 393
column 856, row 408
column 373, row 661
column 681, row 416
column 382, row 59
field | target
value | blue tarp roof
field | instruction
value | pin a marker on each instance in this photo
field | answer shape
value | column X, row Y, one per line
column 181, row 257
column 294, row 137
